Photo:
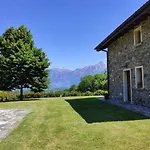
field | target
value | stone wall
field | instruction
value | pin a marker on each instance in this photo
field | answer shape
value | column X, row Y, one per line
column 124, row 55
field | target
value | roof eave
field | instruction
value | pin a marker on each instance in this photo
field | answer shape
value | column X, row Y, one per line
column 125, row 26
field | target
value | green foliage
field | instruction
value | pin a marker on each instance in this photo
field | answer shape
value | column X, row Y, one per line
column 86, row 84
column 93, row 83
column 13, row 96
column 8, row 96
column 75, row 93
column 73, row 88
column 88, row 93
column 63, row 93
column 22, row 65
column 100, row 92
column 33, row 95
column 89, row 86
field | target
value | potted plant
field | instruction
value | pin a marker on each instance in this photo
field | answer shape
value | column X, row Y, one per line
column 106, row 96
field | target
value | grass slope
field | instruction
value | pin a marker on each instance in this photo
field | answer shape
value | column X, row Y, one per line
column 77, row 124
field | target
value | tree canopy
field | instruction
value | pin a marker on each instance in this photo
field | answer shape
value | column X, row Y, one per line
column 93, row 83
column 22, row 65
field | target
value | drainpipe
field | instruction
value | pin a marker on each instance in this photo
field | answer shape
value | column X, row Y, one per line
column 107, row 69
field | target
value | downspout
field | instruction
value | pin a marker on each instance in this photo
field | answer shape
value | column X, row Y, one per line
column 107, row 69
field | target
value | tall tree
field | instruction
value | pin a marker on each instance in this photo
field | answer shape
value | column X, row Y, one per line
column 22, row 64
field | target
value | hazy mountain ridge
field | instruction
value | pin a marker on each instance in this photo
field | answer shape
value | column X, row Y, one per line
column 64, row 78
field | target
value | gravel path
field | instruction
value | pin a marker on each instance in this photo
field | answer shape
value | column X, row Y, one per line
column 137, row 108
column 9, row 119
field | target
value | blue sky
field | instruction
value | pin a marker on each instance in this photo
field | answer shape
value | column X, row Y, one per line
column 68, row 30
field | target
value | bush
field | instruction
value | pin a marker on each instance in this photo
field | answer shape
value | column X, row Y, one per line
column 33, row 95
column 100, row 92
column 8, row 96
column 49, row 94
column 64, row 93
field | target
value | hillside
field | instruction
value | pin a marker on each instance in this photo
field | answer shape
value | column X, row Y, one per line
column 63, row 78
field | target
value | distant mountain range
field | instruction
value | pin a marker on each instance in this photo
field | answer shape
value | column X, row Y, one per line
column 63, row 78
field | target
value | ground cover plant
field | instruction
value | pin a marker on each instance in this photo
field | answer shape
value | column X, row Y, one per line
column 77, row 124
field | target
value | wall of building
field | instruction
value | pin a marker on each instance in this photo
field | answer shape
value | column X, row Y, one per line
column 123, row 55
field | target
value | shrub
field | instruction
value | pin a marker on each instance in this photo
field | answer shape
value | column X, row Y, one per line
column 100, row 92
column 33, row 95
column 88, row 93
column 8, row 96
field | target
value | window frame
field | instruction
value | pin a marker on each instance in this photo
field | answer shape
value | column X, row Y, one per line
column 135, row 31
column 136, row 84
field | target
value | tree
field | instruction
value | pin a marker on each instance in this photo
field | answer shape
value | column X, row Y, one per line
column 22, row 64
column 39, row 73
column 73, row 88
column 86, row 84
column 100, row 81
column 93, row 83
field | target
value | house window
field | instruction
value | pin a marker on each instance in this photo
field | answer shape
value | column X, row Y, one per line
column 139, row 77
column 137, row 36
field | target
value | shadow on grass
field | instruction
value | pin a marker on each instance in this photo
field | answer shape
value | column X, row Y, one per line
column 93, row 110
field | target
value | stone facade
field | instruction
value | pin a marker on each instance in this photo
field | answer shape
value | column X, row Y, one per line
column 123, row 54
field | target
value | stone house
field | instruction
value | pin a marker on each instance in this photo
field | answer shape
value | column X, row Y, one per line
column 128, row 58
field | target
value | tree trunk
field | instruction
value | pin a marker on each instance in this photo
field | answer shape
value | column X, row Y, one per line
column 21, row 92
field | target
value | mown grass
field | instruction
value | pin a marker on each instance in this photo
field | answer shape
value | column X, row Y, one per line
column 77, row 124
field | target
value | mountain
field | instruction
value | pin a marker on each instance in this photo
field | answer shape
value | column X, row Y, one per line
column 63, row 78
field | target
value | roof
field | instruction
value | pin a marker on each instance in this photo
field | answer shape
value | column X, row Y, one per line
column 134, row 19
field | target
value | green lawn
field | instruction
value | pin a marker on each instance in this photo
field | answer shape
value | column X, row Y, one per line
column 77, row 124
